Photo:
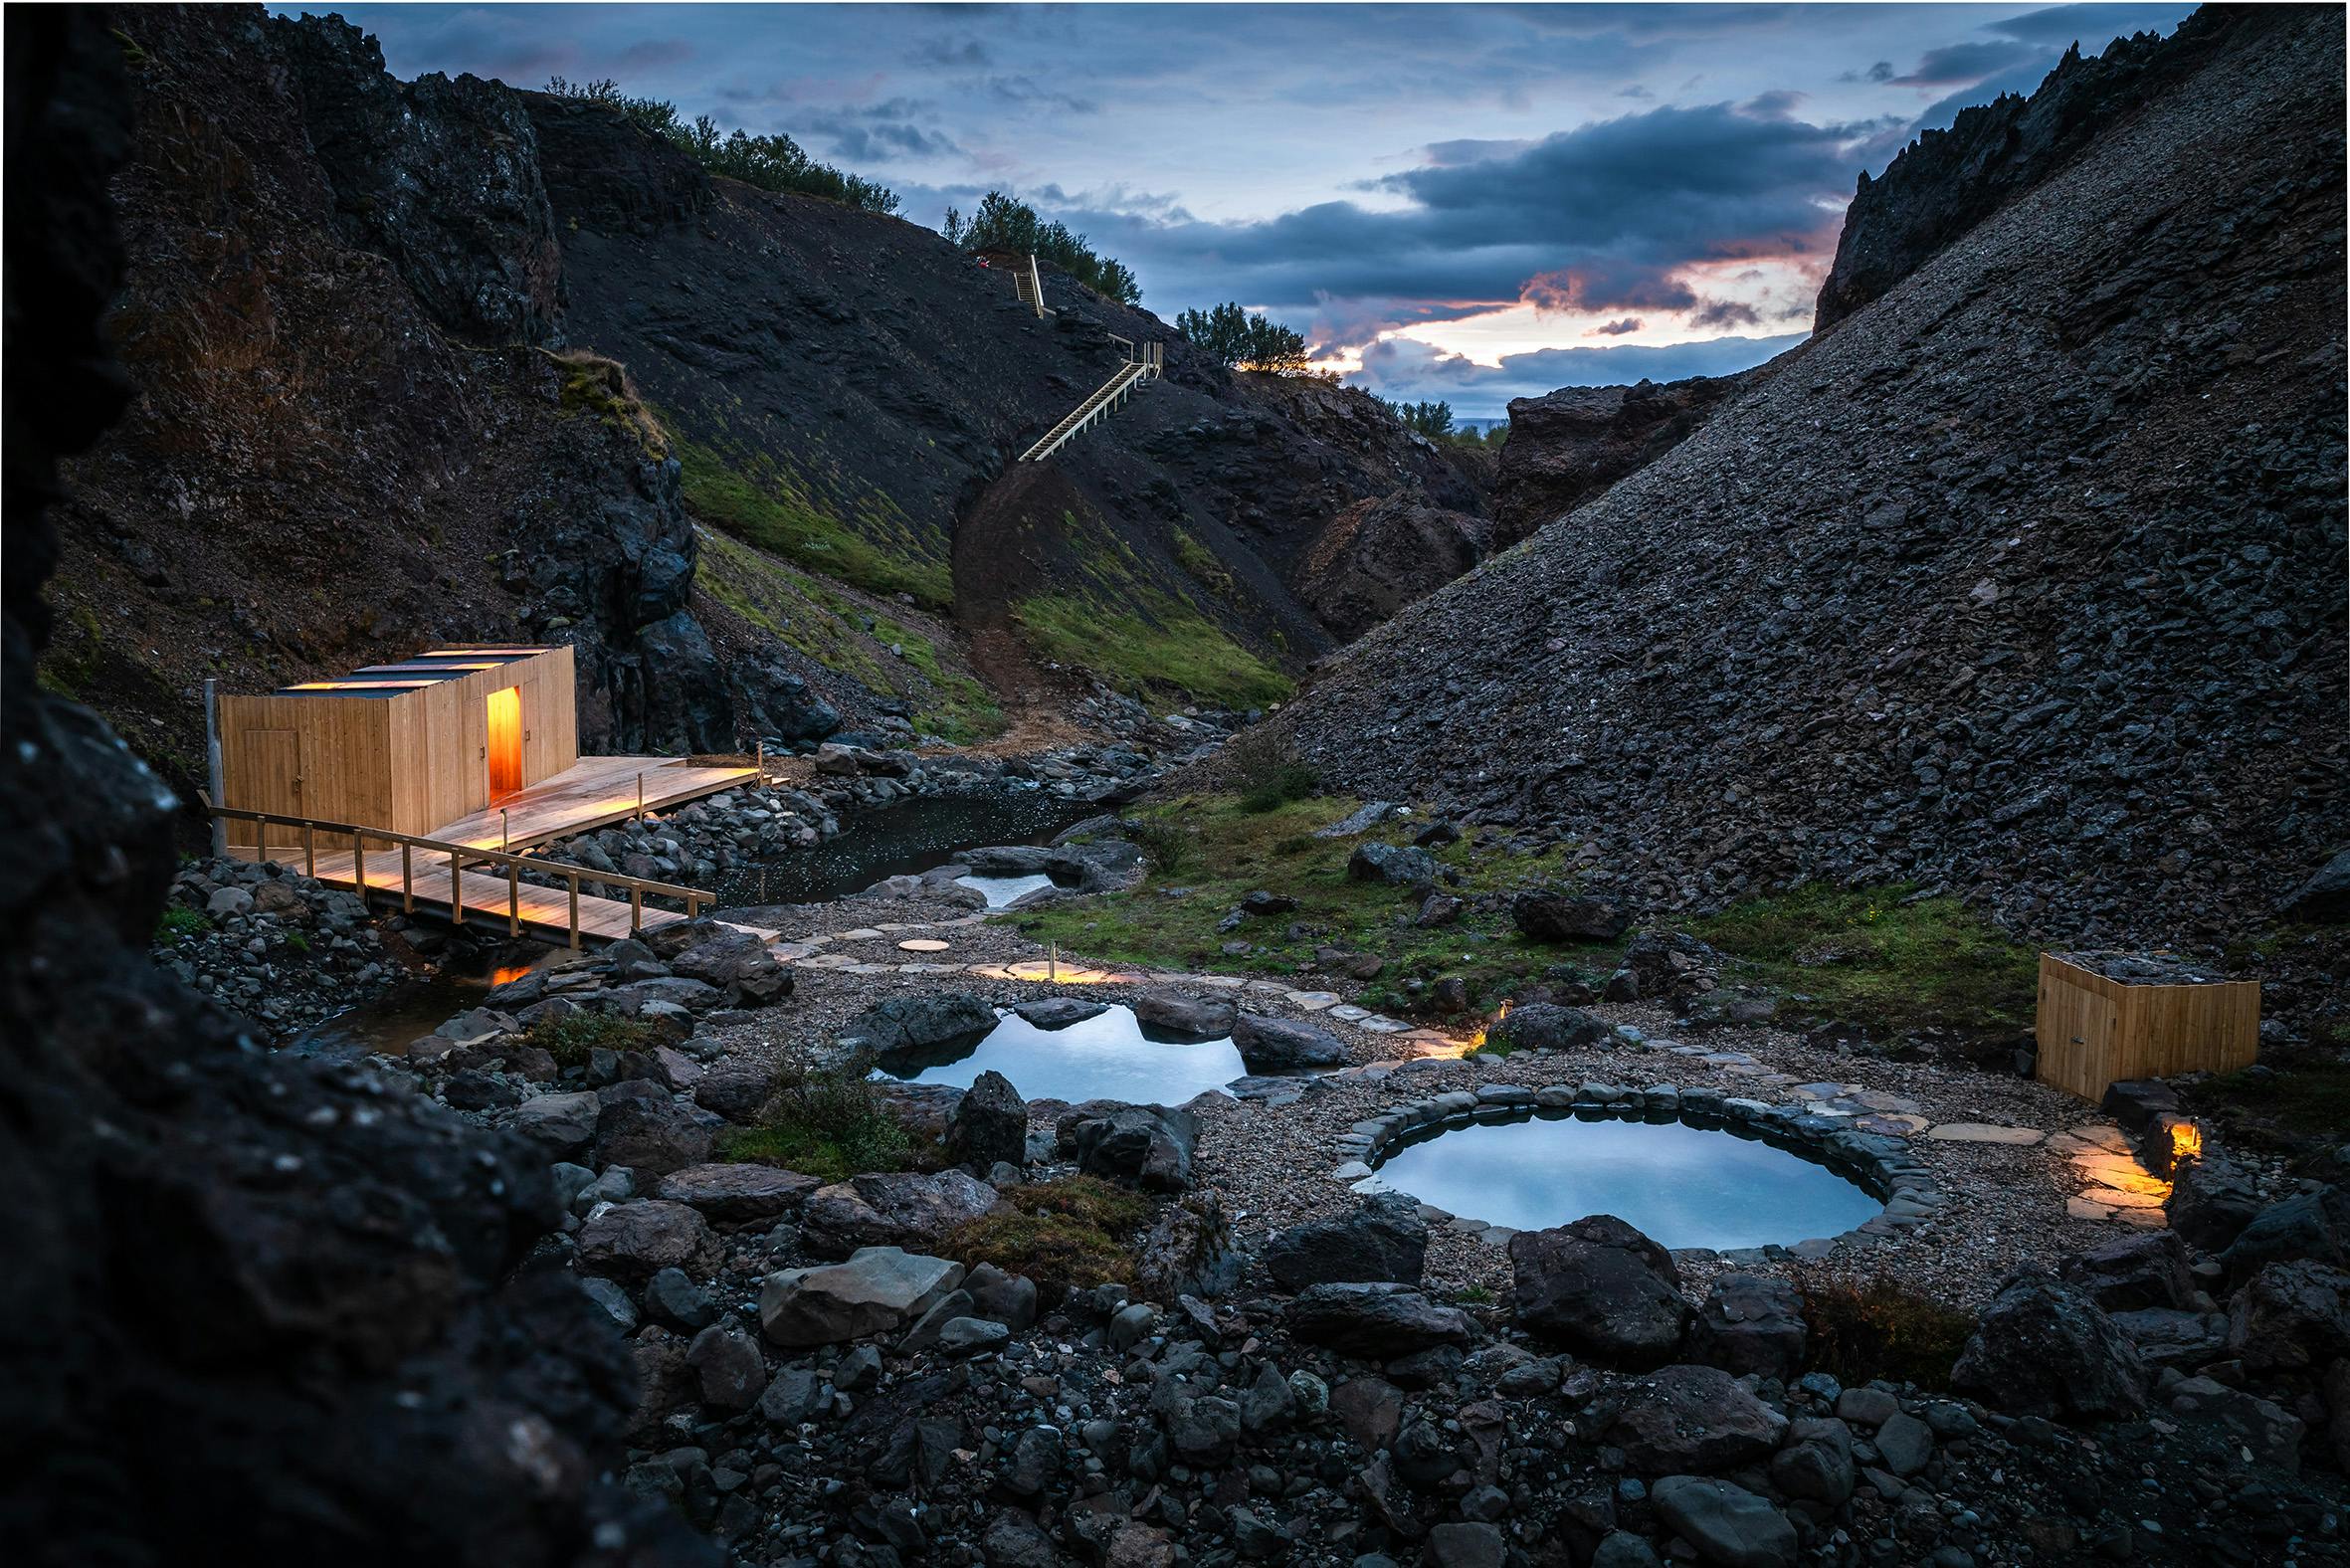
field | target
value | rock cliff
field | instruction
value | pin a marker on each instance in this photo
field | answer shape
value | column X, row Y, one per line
column 2024, row 582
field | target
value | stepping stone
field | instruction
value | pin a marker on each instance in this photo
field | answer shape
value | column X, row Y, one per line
column 828, row 961
column 2083, row 1209
column 1220, row 982
column 923, row 944
column 929, row 969
column 2118, row 1198
column 870, row 969
column 1983, row 1132
column 793, row 952
column 863, row 934
column 1384, row 1026
column 1824, row 1090
column 988, row 971
column 1879, row 1100
column 1350, row 1013
column 1314, row 1001
column 1890, row 1126
column 893, row 925
column 2143, row 1218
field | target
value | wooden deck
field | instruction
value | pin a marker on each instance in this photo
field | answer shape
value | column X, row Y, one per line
column 593, row 792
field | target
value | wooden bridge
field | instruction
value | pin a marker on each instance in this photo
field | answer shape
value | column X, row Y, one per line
column 471, row 869
column 1142, row 367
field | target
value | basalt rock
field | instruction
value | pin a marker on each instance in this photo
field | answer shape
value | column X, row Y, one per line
column 1286, row 1045
column 1382, row 1240
column 903, row 1209
column 2044, row 1349
column 1601, row 1287
column 1376, row 556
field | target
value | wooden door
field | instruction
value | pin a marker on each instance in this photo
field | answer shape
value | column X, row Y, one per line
column 473, row 755
column 503, row 742
column 537, row 732
column 264, row 774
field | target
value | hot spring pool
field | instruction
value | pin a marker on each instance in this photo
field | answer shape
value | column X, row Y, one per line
column 1683, row 1185
column 1106, row 1057
column 1000, row 892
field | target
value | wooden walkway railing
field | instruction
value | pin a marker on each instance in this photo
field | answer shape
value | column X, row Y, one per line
column 460, row 855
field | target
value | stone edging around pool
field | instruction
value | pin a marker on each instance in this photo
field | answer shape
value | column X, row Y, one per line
column 1881, row 1163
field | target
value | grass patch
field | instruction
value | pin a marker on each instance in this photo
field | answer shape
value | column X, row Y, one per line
column 1070, row 1234
column 831, row 1123
column 1267, row 771
column 179, row 920
column 1868, row 958
column 1166, row 647
column 1881, row 1329
column 1201, row 564
column 1219, row 851
column 600, row 387
column 765, row 504
column 2280, row 1107
column 570, row 1038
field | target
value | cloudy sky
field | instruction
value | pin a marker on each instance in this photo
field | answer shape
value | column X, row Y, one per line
column 1467, row 202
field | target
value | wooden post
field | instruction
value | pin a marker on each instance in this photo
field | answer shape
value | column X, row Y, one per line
column 1053, row 962
column 640, row 796
column 359, row 862
column 455, row 889
column 407, row 877
column 513, row 897
column 212, row 762
column 762, row 744
column 636, row 908
column 575, row 911
column 505, row 838
column 309, row 849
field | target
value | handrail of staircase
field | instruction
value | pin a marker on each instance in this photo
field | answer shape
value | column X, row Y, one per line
column 459, row 856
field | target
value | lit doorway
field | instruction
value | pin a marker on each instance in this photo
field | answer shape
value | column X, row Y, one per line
column 505, row 743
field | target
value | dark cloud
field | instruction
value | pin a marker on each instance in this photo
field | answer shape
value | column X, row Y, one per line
column 1963, row 63
column 950, row 53
column 1882, row 70
column 1629, row 324
column 1726, row 313
column 1027, row 90
column 652, row 53
column 878, row 142
column 2090, row 26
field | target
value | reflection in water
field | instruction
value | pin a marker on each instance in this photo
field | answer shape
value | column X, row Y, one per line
column 1683, row 1186
column 1106, row 1056
column 414, row 1008
column 1002, row 890
column 906, row 838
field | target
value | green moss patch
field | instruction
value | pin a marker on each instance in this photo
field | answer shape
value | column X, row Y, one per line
column 1218, row 850
column 1873, row 958
column 1166, row 645
column 1071, row 1234
column 832, row 1124
column 571, row 1038
column 1882, row 1329
column 769, row 504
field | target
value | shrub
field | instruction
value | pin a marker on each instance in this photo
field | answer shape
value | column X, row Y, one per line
column 831, row 1122
column 1244, row 340
column 1266, row 772
column 179, row 920
column 771, row 162
column 1165, row 842
column 570, row 1037
column 1005, row 223
column 1882, row 1329
column 1070, row 1234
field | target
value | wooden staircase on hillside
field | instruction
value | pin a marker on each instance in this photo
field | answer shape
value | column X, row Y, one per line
column 1029, row 285
column 1142, row 366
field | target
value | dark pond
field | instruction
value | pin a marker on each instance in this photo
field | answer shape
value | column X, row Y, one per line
column 1683, row 1186
column 416, row 1008
column 908, row 838
column 1106, row 1057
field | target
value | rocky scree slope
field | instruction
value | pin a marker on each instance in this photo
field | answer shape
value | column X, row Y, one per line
column 351, row 437
column 275, row 1308
column 2026, row 581
column 1947, row 181
column 852, row 391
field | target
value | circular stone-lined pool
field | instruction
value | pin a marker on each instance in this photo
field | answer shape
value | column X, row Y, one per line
column 1684, row 1186
column 1109, row 1056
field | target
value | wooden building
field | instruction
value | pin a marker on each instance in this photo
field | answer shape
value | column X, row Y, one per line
column 407, row 746
column 2095, row 1029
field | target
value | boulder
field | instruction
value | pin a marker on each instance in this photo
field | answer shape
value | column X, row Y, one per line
column 1693, row 1417
column 2165, row 1338
column 738, row 963
column 1007, row 1298
column 1727, row 1524
column 649, row 1132
column 2044, row 1349
column 2272, row 1433
column 989, row 1124
column 632, row 1241
column 2211, row 1203
column 1547, row 916
column 559, row 1123
column 1546, row 1026
column 1376, row 1321
column 921, row 1021
column 1286, row 1045
column 1188, row 1252
column 1382, row 1240
column 2325, row 897
column 1601, row 1287
column 1058, row 1012
column 2313, row 1225
column 892, row 1209
column 1150, row 1145
column 1815, row 1462
column 726, row 1362
column 2291, row 1317
column 2147, row 1269
column 1185, row 1016
column 1751, row 1323
column 878, row 1290
column 733, row 1197
column 1395, row 865
column 734, row 1090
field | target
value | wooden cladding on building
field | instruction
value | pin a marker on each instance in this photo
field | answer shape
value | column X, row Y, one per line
column 407, row 746
column 2094, row 1032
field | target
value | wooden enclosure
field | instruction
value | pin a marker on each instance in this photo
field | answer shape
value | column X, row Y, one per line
column 2094, row 1030
column 406, row 746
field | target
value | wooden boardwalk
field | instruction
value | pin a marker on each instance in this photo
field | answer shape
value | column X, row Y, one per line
column 595, row 792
